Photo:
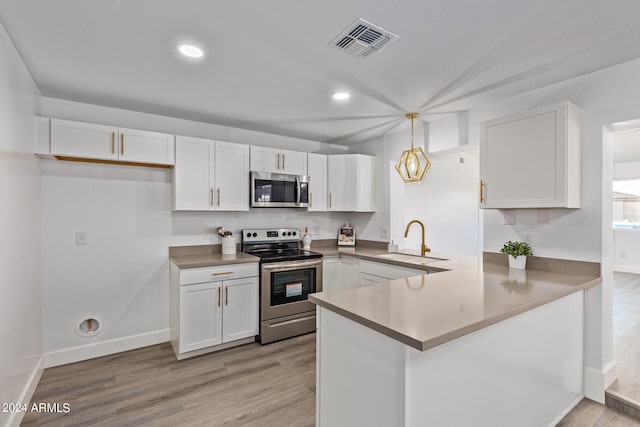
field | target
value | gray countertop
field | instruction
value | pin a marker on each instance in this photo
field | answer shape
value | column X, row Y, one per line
column 462, row 295
column 431, row 309
column 209, row 260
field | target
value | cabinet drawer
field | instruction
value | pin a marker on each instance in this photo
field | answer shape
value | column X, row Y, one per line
column 218, row 273
column 388, row 271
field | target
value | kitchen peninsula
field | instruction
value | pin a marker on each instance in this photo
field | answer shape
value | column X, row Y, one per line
column 478, row 345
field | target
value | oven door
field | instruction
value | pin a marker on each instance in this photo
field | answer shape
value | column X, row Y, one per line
column 286, row 285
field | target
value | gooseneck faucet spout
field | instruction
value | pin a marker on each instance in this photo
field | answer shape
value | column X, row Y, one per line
column 423, row 249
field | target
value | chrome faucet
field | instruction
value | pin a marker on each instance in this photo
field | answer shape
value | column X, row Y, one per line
column 423, row 249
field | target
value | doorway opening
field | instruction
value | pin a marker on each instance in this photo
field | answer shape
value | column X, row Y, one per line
column 624, row 203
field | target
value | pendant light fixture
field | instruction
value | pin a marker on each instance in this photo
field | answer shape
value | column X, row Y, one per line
column 413, row 164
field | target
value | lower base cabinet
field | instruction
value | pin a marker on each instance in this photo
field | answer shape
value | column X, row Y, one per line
column 216, row 313
column 341, row 272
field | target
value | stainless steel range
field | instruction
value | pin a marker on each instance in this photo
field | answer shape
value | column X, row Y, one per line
column 288, row 275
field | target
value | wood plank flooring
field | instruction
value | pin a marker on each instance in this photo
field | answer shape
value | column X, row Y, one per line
column 252, row 385
column 626, row 334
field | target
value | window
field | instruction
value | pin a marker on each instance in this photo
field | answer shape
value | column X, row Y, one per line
column 626, row 203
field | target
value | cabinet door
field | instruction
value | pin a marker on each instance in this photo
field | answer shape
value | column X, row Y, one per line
column 331, row 278
column 349, row 272
column 365, row 183
column 293, row 162
column 240, row 318
column 191, row 188
column 341, row 183
column 83, row 140
column 264, row 159
column 231, row 176
column 200, row 316
column 146, row 147
column 532, row 160
column 317, row 171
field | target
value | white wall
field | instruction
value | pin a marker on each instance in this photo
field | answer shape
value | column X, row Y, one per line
column 20, row 309
column 121, row 276
column 446, row 202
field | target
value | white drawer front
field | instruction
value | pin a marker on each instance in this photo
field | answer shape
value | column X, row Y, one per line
column 218, row 273
column 388, row 271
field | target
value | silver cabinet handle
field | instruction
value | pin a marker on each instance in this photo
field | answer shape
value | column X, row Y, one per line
column 211, row 199
column 222, row 274
column 282, row 161
column 278, row 167
column 218, row 196
column 226, row 295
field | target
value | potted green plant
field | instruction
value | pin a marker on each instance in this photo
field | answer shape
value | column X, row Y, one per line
column 518, row 253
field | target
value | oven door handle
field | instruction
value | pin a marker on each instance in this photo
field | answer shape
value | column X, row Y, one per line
column 290, row 265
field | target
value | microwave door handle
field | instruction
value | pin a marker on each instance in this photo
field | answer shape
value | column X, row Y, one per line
column 298, row 189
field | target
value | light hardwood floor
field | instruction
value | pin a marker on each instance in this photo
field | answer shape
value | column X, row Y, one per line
column 626, row 334
column 252, row 385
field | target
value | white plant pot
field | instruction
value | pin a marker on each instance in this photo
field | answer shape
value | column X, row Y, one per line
column 519, row 262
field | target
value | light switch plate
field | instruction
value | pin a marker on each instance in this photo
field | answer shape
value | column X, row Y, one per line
column 207, row 233
column 509, row 216
column 81, row 237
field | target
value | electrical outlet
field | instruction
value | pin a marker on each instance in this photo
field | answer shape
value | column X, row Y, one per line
column 207, row 233
column 527, row 237
column 81, row 237
column 384, row 233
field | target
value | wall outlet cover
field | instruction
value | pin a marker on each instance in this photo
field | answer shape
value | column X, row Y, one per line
column 81, row 237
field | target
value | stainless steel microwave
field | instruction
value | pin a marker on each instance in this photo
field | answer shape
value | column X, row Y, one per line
column 277, row 190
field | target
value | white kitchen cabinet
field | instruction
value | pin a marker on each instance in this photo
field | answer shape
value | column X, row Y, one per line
column 210, row 175
column 373, row 272
column 317, row 171
column 212, row 308
column 265, row 159
column 351, row 183
column 231, row 176
column 331, row 278
column 349, row 273
column 240, row 313
column 98, row 142
column 532, row 160
column 200, row 316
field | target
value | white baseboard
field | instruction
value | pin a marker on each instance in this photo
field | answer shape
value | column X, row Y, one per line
column 596, row 382
column 103, row 348
column 15, row 418
column 626, row 268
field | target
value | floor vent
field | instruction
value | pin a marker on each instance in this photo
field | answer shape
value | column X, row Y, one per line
column 362, row 38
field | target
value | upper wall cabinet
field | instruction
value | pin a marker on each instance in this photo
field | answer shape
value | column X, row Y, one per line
column 317, row 171
column 90, row 141
column 351, row 183
column 532, row 160
column 265, row 159
column 210, row 175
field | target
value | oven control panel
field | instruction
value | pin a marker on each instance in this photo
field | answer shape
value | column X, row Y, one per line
column 270, row 235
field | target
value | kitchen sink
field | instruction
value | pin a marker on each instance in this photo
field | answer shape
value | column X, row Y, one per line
column 413, row 259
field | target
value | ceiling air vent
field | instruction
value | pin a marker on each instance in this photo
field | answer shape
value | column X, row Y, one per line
column 362, row 38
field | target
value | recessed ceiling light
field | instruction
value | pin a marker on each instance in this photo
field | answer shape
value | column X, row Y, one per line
column 191, row 51
column 340, row 96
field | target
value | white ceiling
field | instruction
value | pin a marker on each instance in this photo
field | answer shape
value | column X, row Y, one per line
column 269, row 65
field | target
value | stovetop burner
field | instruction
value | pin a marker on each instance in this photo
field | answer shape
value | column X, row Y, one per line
column 275, row 245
